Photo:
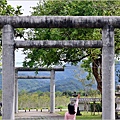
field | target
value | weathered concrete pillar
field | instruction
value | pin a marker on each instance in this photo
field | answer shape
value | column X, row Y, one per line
column 16, row 91
column 108, row 74
column 8, row 84
column 52, row 92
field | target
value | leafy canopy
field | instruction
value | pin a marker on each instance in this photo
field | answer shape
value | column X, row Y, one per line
column 54, row 56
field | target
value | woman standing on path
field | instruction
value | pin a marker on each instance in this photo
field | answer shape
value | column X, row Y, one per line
column 72, row 110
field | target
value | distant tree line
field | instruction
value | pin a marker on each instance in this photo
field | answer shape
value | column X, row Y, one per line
column 40, row 99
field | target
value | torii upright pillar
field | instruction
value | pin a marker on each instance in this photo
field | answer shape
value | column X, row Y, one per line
column 108, row 78
column 52, row 92
column 8, row 84
column 16, row 91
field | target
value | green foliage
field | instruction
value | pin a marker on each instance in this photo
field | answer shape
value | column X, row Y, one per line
column 54, row 56
column 60, row 107
column 8, row 10
column 49, row 57
column 93, row 93
column 42, row 99
column 42, row 57
column 67, row 93
column 62, row 101
column 32, row 100
column 96, row 107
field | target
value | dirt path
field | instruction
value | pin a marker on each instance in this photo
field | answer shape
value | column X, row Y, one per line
column 37, row 115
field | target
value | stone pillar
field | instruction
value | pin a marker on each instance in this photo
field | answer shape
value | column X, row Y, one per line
column 8, row 84
column 52, row 92
column 108, row 74
column 16, row 91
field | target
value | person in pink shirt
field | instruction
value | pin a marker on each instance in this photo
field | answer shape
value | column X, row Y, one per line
column 72, row 110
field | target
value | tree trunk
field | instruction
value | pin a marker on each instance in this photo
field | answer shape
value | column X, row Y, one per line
column 96, row 67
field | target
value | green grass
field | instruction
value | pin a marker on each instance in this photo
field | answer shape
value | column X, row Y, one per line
column 89, row 116
column 86, row 115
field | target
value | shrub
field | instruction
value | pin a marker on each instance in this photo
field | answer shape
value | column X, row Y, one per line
column 96, row 107
column 60, row 107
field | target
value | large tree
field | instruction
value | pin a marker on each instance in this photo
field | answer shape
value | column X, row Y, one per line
column 54, row 56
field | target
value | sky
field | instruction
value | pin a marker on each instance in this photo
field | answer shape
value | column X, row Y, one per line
column 26, row 8
column 26, row 4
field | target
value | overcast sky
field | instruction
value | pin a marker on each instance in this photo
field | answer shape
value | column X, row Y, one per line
column 26, row 8
column 25, row 5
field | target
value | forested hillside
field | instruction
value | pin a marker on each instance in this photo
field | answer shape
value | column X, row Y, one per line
column 64, row 80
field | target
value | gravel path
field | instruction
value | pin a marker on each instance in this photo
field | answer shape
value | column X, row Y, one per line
column 37, row 115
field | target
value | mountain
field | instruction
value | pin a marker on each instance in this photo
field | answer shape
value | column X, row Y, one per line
column 64, row 80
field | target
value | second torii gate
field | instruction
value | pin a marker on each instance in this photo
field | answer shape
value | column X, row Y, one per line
column 52, row 83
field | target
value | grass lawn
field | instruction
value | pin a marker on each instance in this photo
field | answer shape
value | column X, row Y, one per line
column 89, row 116
column 86, row 115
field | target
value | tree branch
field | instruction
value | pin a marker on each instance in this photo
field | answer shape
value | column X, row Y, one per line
column 75, row 60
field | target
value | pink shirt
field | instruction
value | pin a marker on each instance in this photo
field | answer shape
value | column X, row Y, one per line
column 69, row 116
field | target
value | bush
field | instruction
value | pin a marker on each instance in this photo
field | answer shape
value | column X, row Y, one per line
column 98, row 107
column 60, row 107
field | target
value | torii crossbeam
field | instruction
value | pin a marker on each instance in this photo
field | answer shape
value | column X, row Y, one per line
column 107, row 23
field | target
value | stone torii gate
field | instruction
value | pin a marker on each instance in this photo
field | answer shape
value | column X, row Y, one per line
column 107, row 23
column 52, row 83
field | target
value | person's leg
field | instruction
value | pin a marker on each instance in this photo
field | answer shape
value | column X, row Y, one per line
column 65, row 117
